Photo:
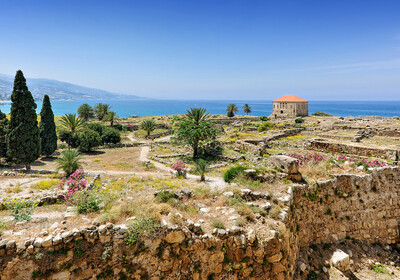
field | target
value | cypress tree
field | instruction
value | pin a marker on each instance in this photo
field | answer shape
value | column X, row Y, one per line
column 23, row 138
column 47, row 128
column 3, row 132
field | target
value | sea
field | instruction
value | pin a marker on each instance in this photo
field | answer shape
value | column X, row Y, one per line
column 157, row 107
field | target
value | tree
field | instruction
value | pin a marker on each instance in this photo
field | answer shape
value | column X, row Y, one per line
column 87, row 140
column 111, row 117
column 69, row 161
column 47, row 128
column 70, row 124
column 110, row 135
column 85, row 111
column 101, row 110
column 247, row 109
column 231, row 110
column 148, row 126
column 3, row 133
column 202, row 169
column 23, row 138
column 194, row 128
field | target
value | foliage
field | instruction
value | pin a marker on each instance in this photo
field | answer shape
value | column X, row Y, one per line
column 148, row 126
column 180, row 168
column 23, row 137
column 21, row 209
column 45, row 184
column 74, row 183
column 110, row 135
column 217, row 223
column 299, row 120
column 70, row 125
column 98, row 127
column 211, row 148
column 195, row 128
column 47, row 128
column 233, row 172
column 247, row 109
column 264, row 126
column 363, row 161
column 3, row 132
column 87, row 140
column 101, row 110
column 201, row 169
column 321, row 114
column 164, row 196
column 69, row 161
column 263, row 118
column 111, row 117
column 231, row 110
column 86, row 201
column 308, row 158
column 142, row 227
column 130, row 127
column 120, row 127
column 85, row 111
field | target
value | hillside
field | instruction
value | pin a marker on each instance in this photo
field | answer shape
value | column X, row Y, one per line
column 57, row 90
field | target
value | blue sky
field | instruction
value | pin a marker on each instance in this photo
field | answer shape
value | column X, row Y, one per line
column 238, row 49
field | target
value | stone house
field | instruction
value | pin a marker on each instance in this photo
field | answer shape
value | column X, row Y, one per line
column 289, row 106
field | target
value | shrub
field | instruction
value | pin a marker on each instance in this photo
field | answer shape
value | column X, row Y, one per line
column 87, row 140
column 217, row 223
column 21, row 209
column 98, row 127
column 111, row 135
column 264, row 126
column 142, row 227
column 362, row 161
column 164, row 196
column 130, row 127
column 299, row 120
column 321, row 114
column 232, row 173
column 69, row 161
column 180, row 168
column 86, row 201
column 201, row 169
column 45, row 184
column 75, row 182
column 308, row 158
column 120, row 127
column 263, row 118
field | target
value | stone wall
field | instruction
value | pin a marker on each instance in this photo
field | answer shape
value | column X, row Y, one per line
column 353, row 149
column 361, row 207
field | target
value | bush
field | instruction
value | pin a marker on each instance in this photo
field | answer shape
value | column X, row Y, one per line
column 68, row 138
column 232, row 173
column 264, row 126
column 299, row 120
column 69, row 161
column 120, row 127
column 110, row 135
column 263, row 118
column 321, row 114
column 142, row 227
column 86, row 201
column 21, row 209
column 98, row 127
column 87, row 140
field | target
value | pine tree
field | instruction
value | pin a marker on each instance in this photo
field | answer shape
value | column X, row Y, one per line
column 47, row 128
column 3, row 132
column 23, row 138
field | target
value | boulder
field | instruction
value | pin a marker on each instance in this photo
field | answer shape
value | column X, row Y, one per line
column 175, row 237
column 341, row 260
column 287, row 164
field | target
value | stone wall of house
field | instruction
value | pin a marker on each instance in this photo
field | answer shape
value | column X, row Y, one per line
column 362, row 207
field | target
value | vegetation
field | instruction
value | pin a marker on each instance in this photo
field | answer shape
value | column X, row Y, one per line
column 321, row 114
column 195, row 128
column 263, row 118
column 299, row 120
column 47, row 128
column 23, row 137
column 86, row 201
column 231, row 110
column 87, row 140
column 148, row 126
column 21, row 209
column 101, row 110
column 111, row 117
column 265, row 126
column 3, row 132
column 70, row 124
column 110, row 135
column 142, row 227
column 247, row 109
column 85, row 111
column 201, row 169
column 232, row 173
column 69, row 161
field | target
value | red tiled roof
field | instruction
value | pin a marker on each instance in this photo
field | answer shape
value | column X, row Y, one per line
column 290, row 98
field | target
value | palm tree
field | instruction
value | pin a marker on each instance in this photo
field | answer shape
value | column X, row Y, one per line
column 202, row 169
column 148, row 126
column 197, row 114
column 101, row 110
column 231, row 110
column 69, row 161
column 85, row 111
column 71, row 123
column 247, row 109
column 111, row 117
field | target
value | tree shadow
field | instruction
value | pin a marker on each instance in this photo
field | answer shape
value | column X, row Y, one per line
column 94, row 153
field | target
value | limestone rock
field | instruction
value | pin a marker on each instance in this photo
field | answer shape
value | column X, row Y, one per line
column 175, row 237
column 341, row 260
column 287, row 164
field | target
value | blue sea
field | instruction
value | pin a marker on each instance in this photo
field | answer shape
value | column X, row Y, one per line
column 156, row 107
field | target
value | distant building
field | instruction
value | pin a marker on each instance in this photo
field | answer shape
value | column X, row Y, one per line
column 289, row 106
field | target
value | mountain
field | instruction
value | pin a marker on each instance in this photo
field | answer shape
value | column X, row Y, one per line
column 58, row 90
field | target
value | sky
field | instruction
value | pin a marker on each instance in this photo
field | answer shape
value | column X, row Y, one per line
column 209, row 49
